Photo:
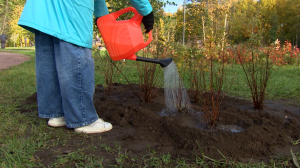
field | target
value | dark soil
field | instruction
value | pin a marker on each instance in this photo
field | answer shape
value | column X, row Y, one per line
column 139, row 126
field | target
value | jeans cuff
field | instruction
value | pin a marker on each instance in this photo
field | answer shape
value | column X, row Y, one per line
column 51, row 116
column 82, row 123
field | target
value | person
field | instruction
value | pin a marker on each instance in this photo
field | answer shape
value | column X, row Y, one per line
column 64, row 64
column 98, row 41
column 3, row 38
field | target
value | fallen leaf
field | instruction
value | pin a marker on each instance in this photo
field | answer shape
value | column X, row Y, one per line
column 295, row 159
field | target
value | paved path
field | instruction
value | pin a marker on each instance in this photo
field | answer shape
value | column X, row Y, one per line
column 10, row 59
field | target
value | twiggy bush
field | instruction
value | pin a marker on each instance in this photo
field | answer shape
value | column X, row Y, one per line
column 195, row 66
column 214, row 72
column 256, row 66
column 207, row 76
column 285, row 54
column 109, row 69
column 149, row 75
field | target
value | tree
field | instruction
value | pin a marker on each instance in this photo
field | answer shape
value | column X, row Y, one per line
column 6, row 8
column 16, row 32
column 243, row 22
column 205, row 17
column 272, row 33
column 268, row 19
column 288, row 19
column 169, row 26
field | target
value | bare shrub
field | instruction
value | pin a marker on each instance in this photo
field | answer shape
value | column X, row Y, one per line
column 149, row 81
column 256, row 66
column 149, row 75
column 181, row 97
column 207, row 76
column 108, row 68
column 195, row 67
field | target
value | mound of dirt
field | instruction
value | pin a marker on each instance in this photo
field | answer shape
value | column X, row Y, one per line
column 241, row 133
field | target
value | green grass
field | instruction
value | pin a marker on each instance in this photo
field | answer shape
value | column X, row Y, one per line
column 21, row 135
column 18, row 48
column 18, row 82
column 284, row 82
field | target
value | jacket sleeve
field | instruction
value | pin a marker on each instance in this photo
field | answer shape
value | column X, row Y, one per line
column 142, row 6
column 100, row 8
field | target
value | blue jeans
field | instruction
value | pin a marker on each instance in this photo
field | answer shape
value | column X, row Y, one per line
column 65, row 81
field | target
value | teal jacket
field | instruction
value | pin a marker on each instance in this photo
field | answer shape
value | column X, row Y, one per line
column 69, row 20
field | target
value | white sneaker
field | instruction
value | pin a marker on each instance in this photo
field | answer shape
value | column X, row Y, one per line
column 98, row 126
column 57, row 122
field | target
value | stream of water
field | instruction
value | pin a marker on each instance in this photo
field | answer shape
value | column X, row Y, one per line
column 175, row 93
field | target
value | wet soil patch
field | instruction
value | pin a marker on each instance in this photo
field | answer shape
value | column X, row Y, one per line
column 241, row 134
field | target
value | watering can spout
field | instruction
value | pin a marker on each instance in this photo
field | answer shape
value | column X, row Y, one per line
column 165, row 62
column 162, row 62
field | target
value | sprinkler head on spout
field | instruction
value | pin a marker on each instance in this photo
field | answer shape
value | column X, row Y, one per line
column 162, row 62
column 165, row 62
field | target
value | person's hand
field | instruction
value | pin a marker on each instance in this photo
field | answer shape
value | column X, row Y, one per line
column 148, row 22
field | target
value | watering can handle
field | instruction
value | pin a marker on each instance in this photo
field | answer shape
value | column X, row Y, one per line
column 137, row 17
column 149, row 39
column 122, row 11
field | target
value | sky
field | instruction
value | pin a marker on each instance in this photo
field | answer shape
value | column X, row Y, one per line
column 172, row 8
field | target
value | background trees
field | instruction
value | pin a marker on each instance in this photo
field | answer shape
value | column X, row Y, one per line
column 10, row 13
column 6, row 10
column 258, row 22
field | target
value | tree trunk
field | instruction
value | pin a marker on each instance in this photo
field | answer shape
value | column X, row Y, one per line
column 203, row 30
column 5, row 16
column 223, row 39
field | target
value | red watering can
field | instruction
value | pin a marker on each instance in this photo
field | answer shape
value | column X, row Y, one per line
column 124, row 38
